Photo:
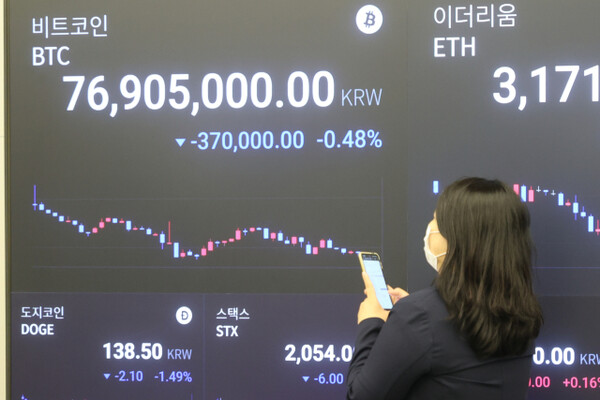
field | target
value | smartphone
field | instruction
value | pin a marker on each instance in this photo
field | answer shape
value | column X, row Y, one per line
column 371, row 264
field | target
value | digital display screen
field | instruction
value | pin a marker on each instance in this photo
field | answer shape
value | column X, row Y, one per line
column 189, row 183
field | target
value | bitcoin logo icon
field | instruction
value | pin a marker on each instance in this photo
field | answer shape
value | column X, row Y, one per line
column 369, row 19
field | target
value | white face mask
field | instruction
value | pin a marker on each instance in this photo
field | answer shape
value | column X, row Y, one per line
column 432, row 259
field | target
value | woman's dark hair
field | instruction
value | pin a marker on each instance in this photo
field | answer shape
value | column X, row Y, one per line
column 485, row 278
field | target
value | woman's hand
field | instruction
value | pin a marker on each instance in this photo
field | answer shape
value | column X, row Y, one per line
column 370, row 307
column 396, row 293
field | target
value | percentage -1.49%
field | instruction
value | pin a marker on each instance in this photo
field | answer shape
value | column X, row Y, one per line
column 174, row 376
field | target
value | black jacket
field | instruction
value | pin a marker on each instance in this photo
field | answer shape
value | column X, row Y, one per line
column 419, row 354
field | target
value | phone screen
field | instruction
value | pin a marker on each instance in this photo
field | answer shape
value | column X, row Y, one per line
column 373, row 268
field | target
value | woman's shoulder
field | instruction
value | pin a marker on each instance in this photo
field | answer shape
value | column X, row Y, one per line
column 426, row 301
column 428, row 295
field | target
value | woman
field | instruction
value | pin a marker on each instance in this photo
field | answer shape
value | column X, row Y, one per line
column 470, row 335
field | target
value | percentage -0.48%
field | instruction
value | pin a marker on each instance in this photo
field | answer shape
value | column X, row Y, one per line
column 359, row 139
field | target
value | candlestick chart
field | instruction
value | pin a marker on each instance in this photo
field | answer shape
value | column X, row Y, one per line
column 195, row 232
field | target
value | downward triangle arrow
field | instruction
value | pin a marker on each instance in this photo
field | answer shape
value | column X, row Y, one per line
column 305, row 378
column 180, row 142
column 107, row 376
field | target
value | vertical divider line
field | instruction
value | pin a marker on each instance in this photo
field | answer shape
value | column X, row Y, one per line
column 382, row 219
column 204, row 346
